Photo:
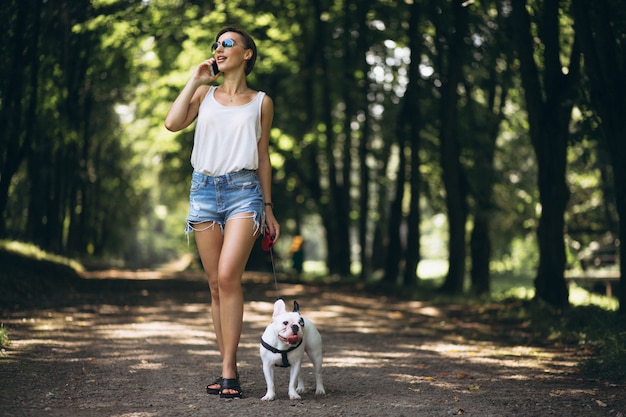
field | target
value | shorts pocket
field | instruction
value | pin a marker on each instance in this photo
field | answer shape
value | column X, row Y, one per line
column 245, row 182
column 195, row 184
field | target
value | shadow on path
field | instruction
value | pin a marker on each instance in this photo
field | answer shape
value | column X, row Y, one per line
column 140, row 344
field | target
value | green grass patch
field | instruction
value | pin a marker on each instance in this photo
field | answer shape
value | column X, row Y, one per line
column 32, row 252
column 30, row 276
column 4, row 336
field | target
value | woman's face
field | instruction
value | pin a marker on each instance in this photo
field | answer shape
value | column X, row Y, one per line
column 230, row 52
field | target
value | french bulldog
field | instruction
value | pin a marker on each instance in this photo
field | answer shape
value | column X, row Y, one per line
column 283, row 344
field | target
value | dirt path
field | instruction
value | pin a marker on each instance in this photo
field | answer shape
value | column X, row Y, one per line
column 137, row 346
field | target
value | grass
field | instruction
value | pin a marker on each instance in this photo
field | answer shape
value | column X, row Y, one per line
column 33, row 252
column 30, row 276
column 4, row 336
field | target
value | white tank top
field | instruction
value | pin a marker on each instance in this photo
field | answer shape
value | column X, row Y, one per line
column 226, row 137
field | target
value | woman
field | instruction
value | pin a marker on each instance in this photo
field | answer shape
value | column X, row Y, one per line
column 230, row 197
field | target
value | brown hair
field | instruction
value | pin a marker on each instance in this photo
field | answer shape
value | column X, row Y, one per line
column 248, row 44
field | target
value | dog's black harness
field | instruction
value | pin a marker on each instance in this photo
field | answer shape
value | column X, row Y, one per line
column 283, row 353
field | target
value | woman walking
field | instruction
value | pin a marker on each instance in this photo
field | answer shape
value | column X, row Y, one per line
column 230, row 198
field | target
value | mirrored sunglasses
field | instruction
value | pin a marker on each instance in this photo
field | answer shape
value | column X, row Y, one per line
column 226, row 43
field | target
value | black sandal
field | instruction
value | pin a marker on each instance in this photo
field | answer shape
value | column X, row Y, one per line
column 215, row 391
column 231, row 384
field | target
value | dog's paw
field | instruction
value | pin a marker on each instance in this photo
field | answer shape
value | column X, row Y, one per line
column 294, row 396
column 268, row 397
column 320, row 391
column 300, row 389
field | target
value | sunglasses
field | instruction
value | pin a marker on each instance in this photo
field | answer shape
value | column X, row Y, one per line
column 226, row 43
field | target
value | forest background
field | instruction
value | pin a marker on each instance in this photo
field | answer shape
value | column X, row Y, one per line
column 484, row 136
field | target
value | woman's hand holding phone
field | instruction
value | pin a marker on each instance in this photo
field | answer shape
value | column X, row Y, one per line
column 215, row 71
column 207, row 71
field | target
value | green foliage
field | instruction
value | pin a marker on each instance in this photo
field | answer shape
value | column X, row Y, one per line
column 101, row 176
column 592, row 215
column 76, row 187
column 520, row 258
column 4, row 336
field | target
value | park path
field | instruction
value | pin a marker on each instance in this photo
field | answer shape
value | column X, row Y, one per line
column 140, row 344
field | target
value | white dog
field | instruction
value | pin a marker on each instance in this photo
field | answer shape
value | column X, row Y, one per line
column 283, row 344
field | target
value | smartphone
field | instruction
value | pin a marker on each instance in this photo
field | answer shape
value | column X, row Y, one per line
column 214, row 69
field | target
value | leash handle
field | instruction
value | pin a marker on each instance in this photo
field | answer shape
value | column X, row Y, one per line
column 267, row 242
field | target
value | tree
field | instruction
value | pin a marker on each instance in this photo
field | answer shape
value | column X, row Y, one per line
column 487, row 98
column 412, row 119
column 549, row 94
column 451, row 66
column 62, row 153
column 385, row 113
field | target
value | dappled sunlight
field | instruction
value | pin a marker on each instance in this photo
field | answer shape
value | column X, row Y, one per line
column 363, row 358
column 121, row 333
column 145, row 364
column 55, row 345
column 155, row 329
column 358, row 331
column 350, row 361
column 141, row 274
column 142, row 414
column 447, row 352
column 428, row 311
column 579, row 296
column 408, row 346
column 488, row 354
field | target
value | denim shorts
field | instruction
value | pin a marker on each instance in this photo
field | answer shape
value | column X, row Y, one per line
column 215, row 200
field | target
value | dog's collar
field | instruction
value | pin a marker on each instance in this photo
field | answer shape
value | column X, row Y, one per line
column 283, row 353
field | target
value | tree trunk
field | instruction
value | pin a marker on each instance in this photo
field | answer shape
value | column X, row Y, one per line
column 413, row 250
column 394, row 246
column 364, row 222
column 480, row 247
column 549, row 110
column 453, row 174
column 336, row 210
column 412, row 253
column 498, row 84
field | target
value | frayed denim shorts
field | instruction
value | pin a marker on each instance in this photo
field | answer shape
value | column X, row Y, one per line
column 217, row 199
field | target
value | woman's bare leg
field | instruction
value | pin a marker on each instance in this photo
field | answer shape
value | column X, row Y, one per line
column 225, row 279
column 209, row 240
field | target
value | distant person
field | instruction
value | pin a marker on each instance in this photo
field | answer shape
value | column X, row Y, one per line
column 297, row 254
column 230, row 198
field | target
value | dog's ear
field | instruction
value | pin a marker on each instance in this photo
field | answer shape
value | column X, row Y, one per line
column 296, row 307
column 279, row 307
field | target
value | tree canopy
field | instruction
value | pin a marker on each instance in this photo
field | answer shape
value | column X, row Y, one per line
column 505, row 119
